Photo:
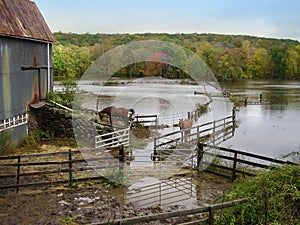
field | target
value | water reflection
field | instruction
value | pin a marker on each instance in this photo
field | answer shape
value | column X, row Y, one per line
column 272, row 129
column 176, row 191
column 185, row 192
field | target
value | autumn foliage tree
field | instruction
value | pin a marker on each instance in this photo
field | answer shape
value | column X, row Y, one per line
column 228, row 56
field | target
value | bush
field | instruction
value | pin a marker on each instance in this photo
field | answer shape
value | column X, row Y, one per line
column 273, row 198
column 201, row 108
column 66, row 96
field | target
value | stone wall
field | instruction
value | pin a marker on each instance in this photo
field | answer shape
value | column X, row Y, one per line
column 61, row 123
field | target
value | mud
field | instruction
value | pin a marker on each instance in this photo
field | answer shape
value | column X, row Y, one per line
column 90, row 203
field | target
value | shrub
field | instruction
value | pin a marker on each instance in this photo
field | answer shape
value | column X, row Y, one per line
column 66, row 96
column 273, row 198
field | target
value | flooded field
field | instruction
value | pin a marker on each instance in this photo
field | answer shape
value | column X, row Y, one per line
column 272, row 128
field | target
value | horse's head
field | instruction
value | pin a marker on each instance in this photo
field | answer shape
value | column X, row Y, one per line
column 131, row 113
column 96, row 116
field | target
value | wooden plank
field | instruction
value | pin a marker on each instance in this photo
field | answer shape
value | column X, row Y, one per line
column 51, row 183
column 145, row 116
column 218, row 173
column 44, row 154
column 8, row 157
column 247, row 154
column 7, row 176
column 169, row 215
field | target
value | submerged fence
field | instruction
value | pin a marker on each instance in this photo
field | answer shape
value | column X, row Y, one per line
column 231, row 163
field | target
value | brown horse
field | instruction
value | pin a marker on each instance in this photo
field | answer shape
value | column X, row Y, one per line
column 114, row 112
column 184, row 125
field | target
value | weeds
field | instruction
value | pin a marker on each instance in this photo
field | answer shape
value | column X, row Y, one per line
column 116, row 178
column 236, row 101
column 70, row 220
column 201, row 108
column 66, row 97
column 273, row 198
column 6, row 143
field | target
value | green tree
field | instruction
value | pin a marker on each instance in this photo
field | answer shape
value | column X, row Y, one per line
column 279, row 57
column 209, row 54
column 71, row 61
column 257, row 64
column 226, row 65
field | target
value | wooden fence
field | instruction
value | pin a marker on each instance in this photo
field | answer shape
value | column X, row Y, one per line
column 211, row 210
column 150, row 120
column 233, row 162
column 48, row 169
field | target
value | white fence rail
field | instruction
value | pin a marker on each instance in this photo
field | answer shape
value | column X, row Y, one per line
column 13, row 121
column 113, row 139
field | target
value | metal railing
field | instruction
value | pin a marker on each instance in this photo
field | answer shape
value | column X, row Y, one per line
column 113, row 139
column 193, row 134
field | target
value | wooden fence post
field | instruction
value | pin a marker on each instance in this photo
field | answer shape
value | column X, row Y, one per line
column 189, row 115
column 154, row 150
column 233, row 177
column 246, row 101
column 70, row 168
column 121, row 157
column 214, row 132
column 233, row 117
column 199, row 154
column 211, row 215
column 18, row 173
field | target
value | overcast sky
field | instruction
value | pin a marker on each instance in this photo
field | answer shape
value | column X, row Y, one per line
column 265, row 18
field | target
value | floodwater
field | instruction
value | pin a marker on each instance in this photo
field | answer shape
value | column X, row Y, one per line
column 272, row 128
column 169, row 99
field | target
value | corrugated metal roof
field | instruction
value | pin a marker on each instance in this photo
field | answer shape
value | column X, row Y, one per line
column 22, row 18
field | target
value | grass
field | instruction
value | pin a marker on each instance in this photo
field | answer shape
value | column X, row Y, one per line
column 6, row 144
column 116, row 178
column 70, row 220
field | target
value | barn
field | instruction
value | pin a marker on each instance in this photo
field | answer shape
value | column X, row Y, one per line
column 25, row 65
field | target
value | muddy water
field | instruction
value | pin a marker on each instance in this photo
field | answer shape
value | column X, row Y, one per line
column 272, row 128
column 269, row 129
column 170, row 100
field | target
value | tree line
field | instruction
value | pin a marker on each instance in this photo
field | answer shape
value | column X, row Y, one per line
column 228, row 56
